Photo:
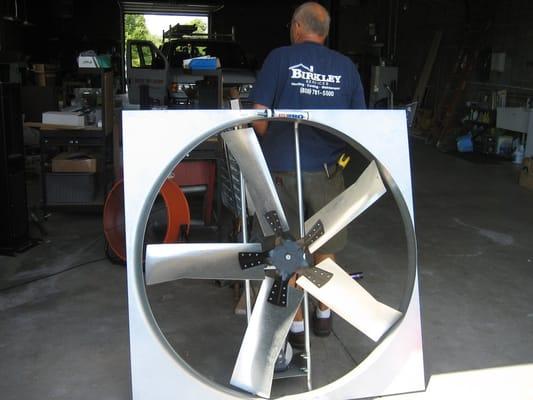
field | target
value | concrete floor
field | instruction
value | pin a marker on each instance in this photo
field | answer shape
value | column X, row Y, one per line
column 65, row 336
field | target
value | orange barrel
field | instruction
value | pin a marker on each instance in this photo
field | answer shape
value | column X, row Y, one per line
column 177, row 211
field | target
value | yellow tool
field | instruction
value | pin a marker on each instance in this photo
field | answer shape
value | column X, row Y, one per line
column 342, row 162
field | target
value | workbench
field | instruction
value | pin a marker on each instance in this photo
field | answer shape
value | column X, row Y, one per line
column 79, row 188
column 74, row 188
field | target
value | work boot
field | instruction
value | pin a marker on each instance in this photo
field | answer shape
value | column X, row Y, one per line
column 322, row 326
column 297, row 340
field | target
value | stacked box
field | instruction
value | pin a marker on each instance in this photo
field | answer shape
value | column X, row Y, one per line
column 74, row 162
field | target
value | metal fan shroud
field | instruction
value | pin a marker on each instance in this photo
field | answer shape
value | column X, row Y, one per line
column 154, row 141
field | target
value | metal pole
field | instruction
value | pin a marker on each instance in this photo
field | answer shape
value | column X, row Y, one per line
column 245, row 240
column 302, row 234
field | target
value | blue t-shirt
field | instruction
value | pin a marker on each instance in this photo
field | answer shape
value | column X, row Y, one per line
column 305, row 76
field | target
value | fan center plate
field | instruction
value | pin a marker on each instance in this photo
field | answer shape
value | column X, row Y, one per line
column 288, row 256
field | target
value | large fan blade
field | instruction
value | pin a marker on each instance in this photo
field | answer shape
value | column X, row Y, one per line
column 168, row 262
column 347, row 206
column 267, row 329
column 245, row 148
column 351, row 301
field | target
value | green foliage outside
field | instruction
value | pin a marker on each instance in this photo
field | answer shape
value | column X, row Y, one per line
column 135, row 28
column 201, row 26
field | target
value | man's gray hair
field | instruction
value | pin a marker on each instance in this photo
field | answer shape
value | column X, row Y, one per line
column 313, row 17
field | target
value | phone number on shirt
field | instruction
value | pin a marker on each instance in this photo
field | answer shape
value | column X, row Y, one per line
column 317, row 92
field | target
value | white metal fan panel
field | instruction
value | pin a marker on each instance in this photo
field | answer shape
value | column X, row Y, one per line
column 153, row 142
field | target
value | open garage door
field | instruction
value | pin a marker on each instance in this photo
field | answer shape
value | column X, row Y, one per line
column 144, row 66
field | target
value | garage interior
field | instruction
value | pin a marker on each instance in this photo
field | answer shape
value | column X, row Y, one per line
column 463, row 70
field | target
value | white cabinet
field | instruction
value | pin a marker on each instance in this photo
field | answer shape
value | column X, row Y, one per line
column 517, row 119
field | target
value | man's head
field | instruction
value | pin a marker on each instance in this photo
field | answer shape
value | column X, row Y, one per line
column 310, row 22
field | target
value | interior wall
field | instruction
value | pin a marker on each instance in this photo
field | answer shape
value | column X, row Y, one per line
column 419, row 20
column 488, row 26
column 262, row 26
column 56, row 31
column 365, row 46
column 259, row 26
column 483, row 26
column 354, row 17
column 10, row 42
column 59, row 29
column 62, row 28
column 512, row 33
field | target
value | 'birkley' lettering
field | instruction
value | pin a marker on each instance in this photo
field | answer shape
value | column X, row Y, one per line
column 301, row 73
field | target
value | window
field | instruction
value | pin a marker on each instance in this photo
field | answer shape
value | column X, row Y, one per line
column 135, row 58
column 144, row 55
column 147, row 56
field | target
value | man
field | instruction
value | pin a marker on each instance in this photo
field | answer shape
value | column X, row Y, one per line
column 306, row 75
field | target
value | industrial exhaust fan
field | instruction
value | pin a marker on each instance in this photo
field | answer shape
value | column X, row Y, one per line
column 158, row 372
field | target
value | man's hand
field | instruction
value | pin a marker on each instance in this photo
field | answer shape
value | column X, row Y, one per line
column 260, row 127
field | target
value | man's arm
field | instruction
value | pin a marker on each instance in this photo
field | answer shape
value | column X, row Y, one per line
column 264, row 89
column 260, row 127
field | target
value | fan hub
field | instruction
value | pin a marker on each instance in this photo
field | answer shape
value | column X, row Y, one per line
column 288, row 256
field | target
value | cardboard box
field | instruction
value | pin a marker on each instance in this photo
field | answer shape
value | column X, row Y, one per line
column 66, row 118
column 73, row 162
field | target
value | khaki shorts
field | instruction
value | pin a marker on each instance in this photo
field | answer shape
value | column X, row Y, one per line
column 318, row 190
